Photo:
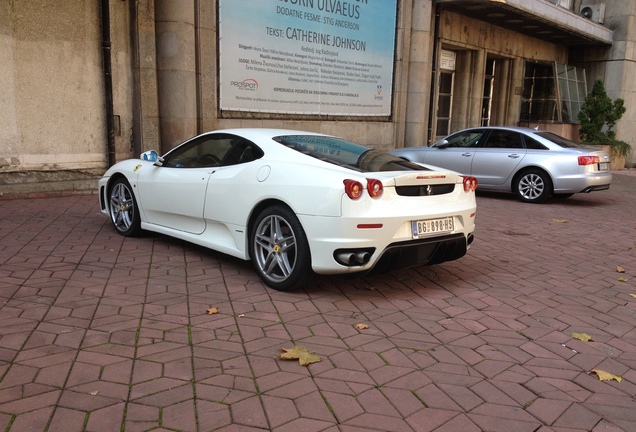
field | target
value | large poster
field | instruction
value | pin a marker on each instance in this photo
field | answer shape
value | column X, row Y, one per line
column 326, row 57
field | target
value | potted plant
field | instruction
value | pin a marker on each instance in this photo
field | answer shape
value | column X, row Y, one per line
column 598, row 116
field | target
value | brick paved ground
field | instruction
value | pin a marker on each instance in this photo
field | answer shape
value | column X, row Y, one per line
column 104, row 333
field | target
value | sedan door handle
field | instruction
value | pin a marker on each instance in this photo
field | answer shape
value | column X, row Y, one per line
column 467, row 154
column 514, row 156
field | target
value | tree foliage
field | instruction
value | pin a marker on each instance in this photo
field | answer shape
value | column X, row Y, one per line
column 598, row 117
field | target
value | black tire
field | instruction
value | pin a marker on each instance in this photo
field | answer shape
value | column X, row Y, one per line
column 532, row 186
column 279, row 249
column 124, row 211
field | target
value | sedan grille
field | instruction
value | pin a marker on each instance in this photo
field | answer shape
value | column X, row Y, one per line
column 425, row 190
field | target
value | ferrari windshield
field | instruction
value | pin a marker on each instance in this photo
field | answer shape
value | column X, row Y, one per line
column 346, row 153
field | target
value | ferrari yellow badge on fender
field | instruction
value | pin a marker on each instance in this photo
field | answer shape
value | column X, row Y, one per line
column 137, row 168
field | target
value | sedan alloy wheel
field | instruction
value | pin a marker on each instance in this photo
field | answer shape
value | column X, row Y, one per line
column 533, row 186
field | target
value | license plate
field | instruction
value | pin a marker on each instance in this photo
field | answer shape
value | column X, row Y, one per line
column 603, row 166
column 424, row 228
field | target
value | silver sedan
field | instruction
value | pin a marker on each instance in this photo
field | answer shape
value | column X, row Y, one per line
column 530, row 163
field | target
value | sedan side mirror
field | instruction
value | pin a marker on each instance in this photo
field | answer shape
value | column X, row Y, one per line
column 442, row 144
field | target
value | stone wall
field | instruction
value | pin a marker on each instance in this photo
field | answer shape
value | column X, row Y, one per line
column 52, row 86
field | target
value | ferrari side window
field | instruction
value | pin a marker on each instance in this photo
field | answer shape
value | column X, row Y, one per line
column 242, row 151
column 202, row 152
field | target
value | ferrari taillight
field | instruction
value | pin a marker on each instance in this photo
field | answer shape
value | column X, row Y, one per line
column 353, row 189
column 589, row 160
column 470, row 184
column 374, row 187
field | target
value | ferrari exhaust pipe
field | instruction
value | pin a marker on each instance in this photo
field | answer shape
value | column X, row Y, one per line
column 346, row 258
column 363, row 257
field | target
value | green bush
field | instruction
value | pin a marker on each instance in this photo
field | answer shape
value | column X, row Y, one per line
column 598, row 116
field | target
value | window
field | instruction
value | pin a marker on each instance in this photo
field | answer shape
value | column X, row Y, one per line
column 572, row 89
column 486, row 101
column 212, row 151
column 533, row 144
column 469, row 139
column 539, row 97
column 341, row 152
column 504, row 139
column 559, row 140
column 444, row 103
column 552, row 93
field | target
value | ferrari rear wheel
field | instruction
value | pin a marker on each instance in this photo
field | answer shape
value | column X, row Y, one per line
column 279, row 249
column 124, row 212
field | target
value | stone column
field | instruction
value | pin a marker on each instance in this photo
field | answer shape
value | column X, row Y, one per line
column 145, row 101
column 176, row 70
column 500, row 97
column 413, row 87
column 478, row 74
column 513, row 112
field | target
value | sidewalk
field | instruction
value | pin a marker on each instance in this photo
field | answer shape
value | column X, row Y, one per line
column 104, row 333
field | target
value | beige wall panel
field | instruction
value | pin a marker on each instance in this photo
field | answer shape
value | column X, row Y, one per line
column 421, row 47
column 463, row 32
column 416, row 135
column 175, row 46
column 58, row 84
column 175, row 10
column 9, row 133
column 619, row 74
column 121, row 58
column 619, row 82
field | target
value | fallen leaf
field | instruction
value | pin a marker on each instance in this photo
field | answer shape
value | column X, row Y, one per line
column 559, row 221
column 361, row 326
column 212, row 311
column 94, row 393
column 303, row 356
column 582, row 337
column 620, row 269
column 621, row 279
column 605, row 376
column 633, row 295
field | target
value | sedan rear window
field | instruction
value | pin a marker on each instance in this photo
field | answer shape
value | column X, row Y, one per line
column 558, row 140
column 346, row 153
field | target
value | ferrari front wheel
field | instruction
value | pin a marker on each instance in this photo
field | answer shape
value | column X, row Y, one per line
column 279, row 249
column 124, row 212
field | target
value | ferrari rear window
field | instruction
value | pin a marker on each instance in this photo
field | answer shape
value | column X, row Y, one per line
column 346, row 153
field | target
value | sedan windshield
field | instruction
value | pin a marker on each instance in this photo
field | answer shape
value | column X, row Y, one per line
column 346, row 153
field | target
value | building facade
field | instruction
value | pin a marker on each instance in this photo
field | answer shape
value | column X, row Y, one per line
column 84, row 84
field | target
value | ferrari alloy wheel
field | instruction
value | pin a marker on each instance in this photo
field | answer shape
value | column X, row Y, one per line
column 533, row 186
column 279, row 249
column 124, row 212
